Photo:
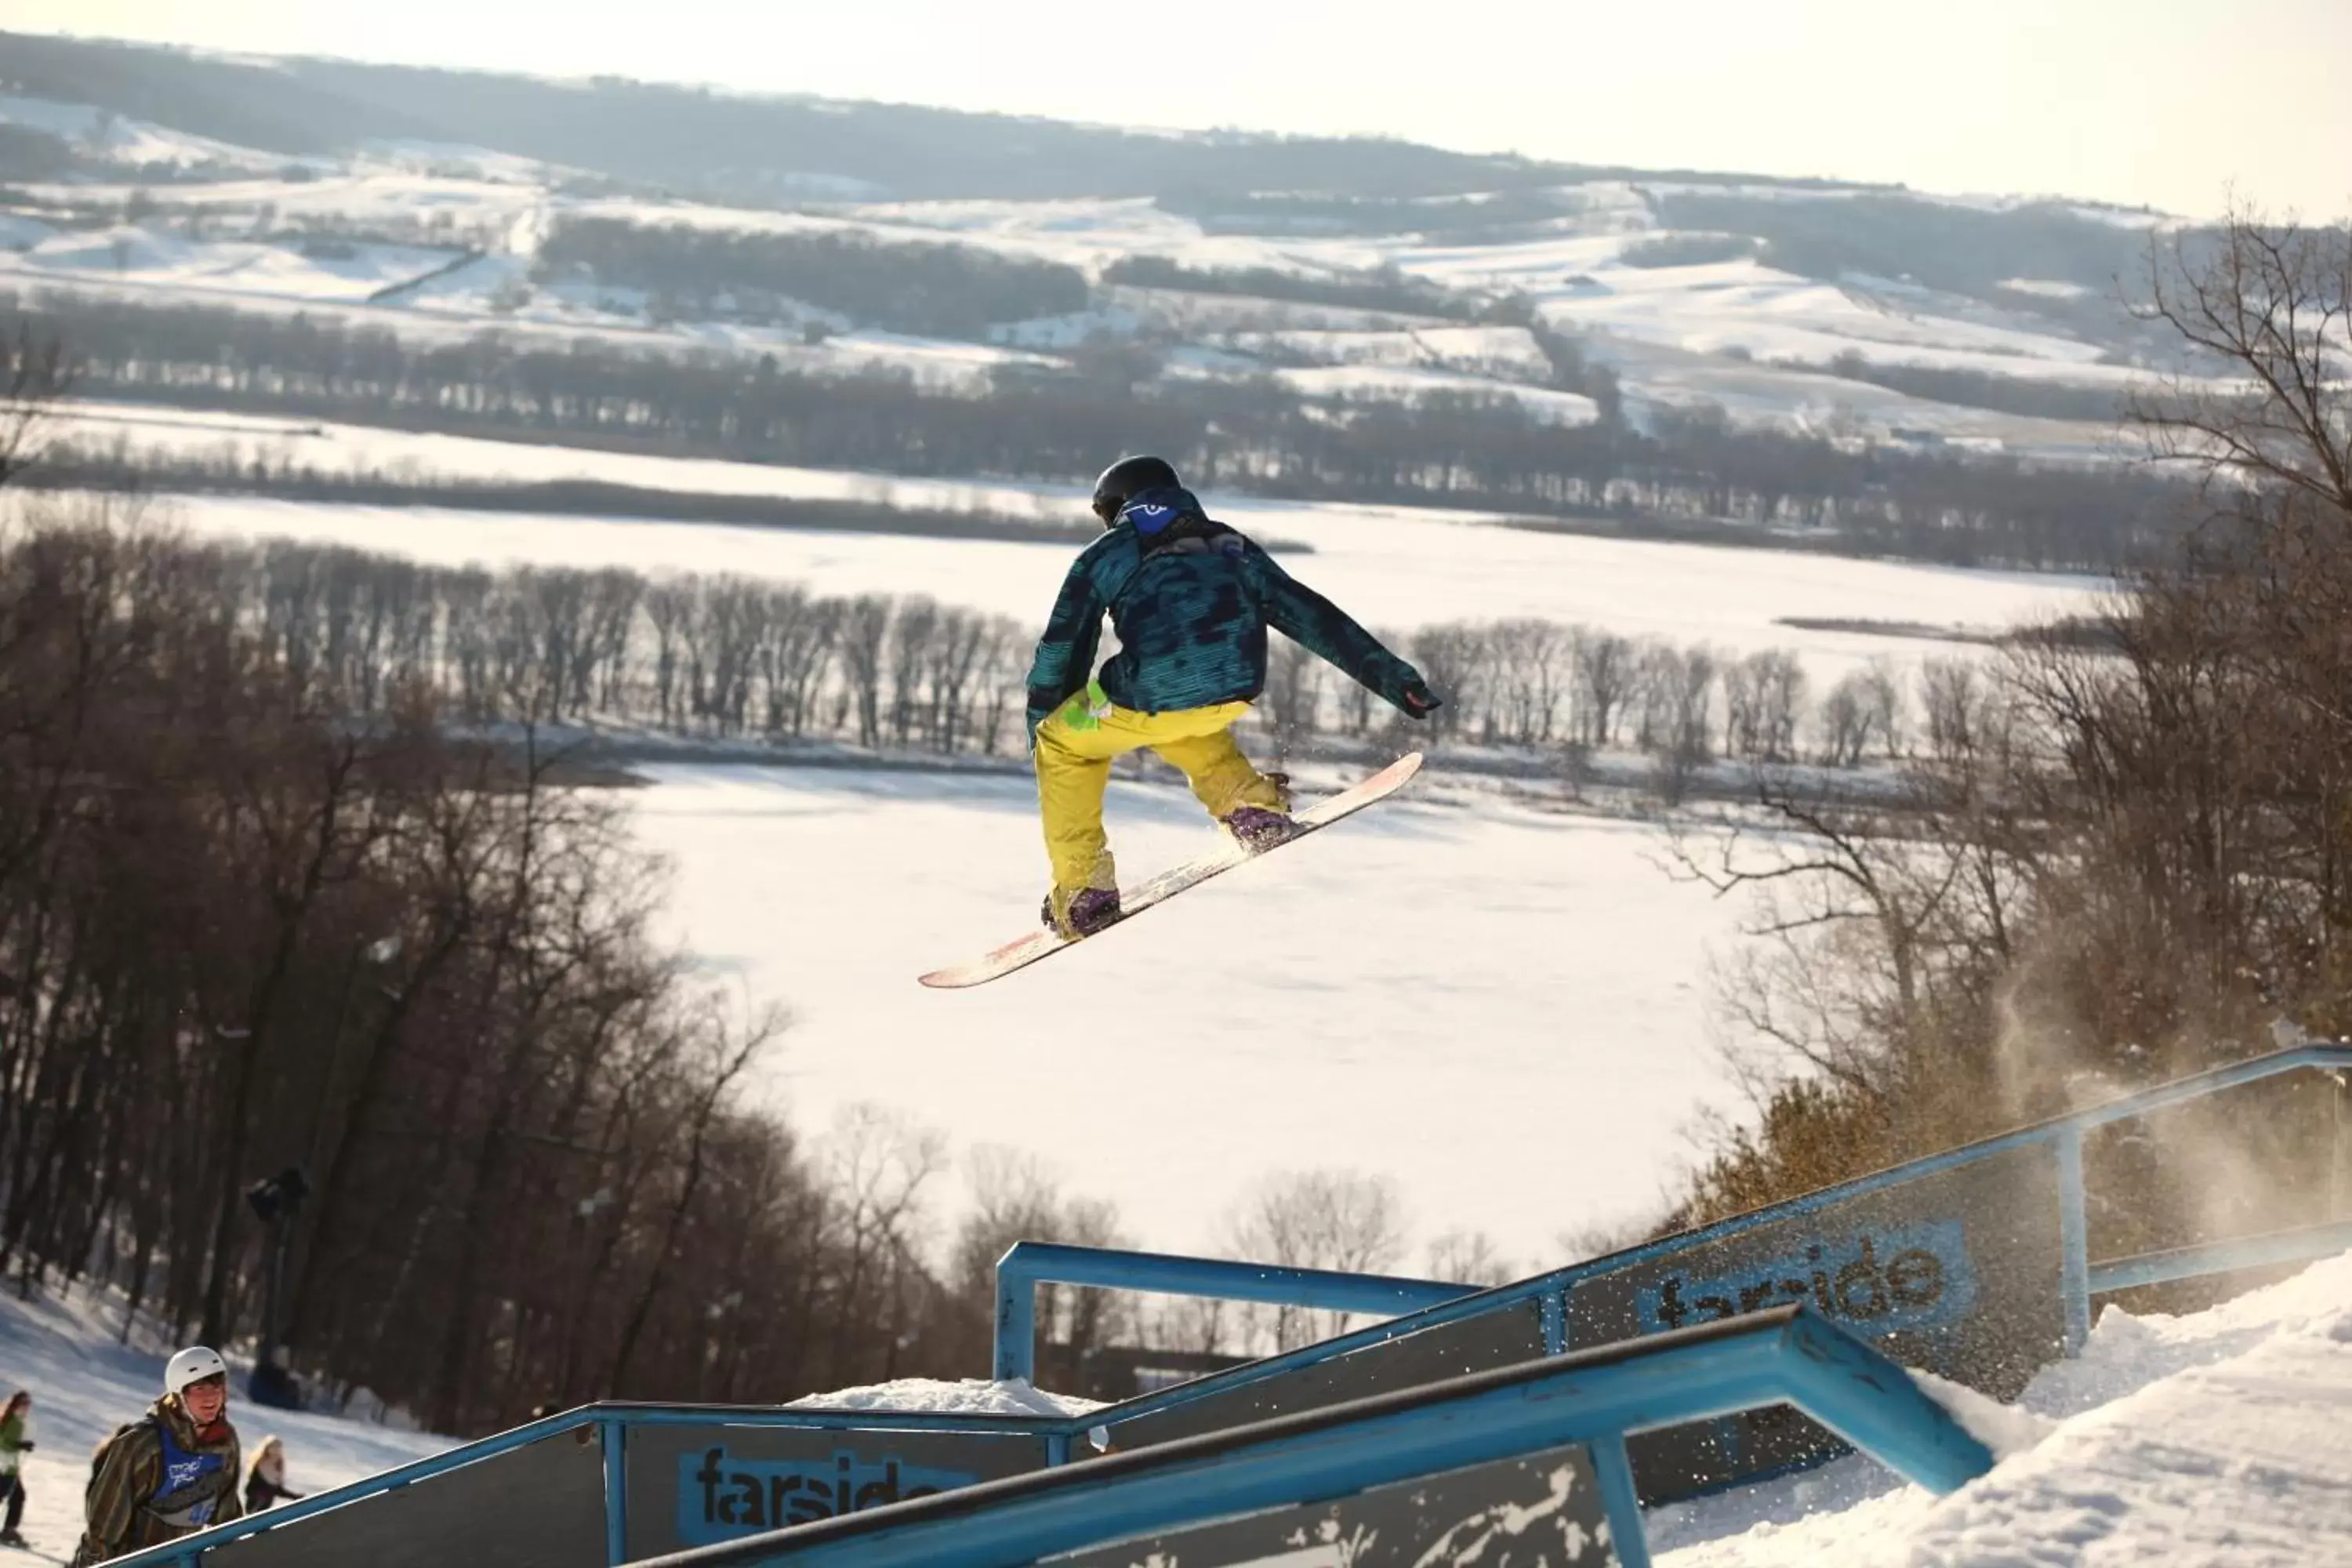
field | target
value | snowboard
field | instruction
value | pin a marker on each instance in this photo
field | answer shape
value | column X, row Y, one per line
column 1043, row 942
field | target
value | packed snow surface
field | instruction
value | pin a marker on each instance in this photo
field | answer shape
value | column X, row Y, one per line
column 2219, row 1440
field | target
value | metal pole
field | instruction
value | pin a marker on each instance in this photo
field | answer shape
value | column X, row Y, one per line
column 273, row 1326
column 2342, row 1196
column 1628, row 1538
column 616, row 1475
column 1017, row 1323
column 2073, row 1240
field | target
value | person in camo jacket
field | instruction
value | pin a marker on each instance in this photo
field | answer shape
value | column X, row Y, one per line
column 171, row 1472
column 1190, row 600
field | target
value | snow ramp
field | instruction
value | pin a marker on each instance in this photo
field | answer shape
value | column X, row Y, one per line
column 2219, row 1439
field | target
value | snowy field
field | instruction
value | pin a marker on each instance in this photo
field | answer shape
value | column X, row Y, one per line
column 84, row 1385
column 1500, row 1007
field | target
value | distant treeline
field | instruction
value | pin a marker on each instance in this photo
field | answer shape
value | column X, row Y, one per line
column 721, row 656
column 941, row 290
column 1253, row 437
column 1386, row 290
column 1977, row 389
column 281, row 474
column 1698, row 249
column 1895, row 235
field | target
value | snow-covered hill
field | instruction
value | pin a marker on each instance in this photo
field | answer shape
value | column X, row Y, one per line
column 442, row 239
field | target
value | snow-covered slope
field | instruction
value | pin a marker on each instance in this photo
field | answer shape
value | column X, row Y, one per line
column 466, row 226
column 109, row 138
column 84, row 1384
column 2218, row 1440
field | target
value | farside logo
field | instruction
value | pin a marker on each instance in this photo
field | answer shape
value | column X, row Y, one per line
column 1918, row 1277
column 722, row 1497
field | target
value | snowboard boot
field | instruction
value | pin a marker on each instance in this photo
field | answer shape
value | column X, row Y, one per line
column 1085, row 913
column 1256, row 829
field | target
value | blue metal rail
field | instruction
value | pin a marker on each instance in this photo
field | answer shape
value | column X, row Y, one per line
column 610, row 1421
column 2063, row 1135
column 1028, row 1264
column 2298, row 1245
column 1595, row 1397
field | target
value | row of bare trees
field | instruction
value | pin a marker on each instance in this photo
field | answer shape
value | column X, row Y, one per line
column 1537, row 683
column 739, row 657
column 718, row 656
column 2105, row 863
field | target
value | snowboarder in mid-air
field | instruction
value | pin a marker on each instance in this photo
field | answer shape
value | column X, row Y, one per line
column 1190, row 600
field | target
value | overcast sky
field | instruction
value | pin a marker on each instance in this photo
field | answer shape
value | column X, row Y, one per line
column 2170, row 103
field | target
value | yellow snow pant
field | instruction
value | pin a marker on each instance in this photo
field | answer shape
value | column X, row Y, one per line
column 1074, row 752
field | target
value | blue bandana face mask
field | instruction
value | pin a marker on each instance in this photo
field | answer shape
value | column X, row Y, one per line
column 1154, row 511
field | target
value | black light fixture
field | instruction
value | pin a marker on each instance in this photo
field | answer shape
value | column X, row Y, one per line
column 282, row 1195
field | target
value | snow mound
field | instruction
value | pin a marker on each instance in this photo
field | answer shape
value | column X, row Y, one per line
column 967, row 1397
column 2214, row 1439
column 2006, row 1430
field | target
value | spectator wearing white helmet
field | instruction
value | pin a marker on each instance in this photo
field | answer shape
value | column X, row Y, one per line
column 170, row 1473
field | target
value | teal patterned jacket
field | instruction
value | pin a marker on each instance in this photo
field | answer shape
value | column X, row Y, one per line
column 1190, row 600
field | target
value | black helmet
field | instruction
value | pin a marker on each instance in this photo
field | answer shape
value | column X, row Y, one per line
column 1129, row 477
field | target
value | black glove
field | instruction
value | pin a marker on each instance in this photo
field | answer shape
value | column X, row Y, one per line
column 1419, row 700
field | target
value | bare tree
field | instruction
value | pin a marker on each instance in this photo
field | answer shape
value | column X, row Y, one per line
column 1294, row 693
column 1604, row 682
column 2271, row 302
column 1843, row 723
column 1014, row 1198
column 913, row 627
column 1453, row 661
column 865, row 623
column 36, row 377
column 1674, row 718
column 1468, row 1257
column 1317, row 1219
